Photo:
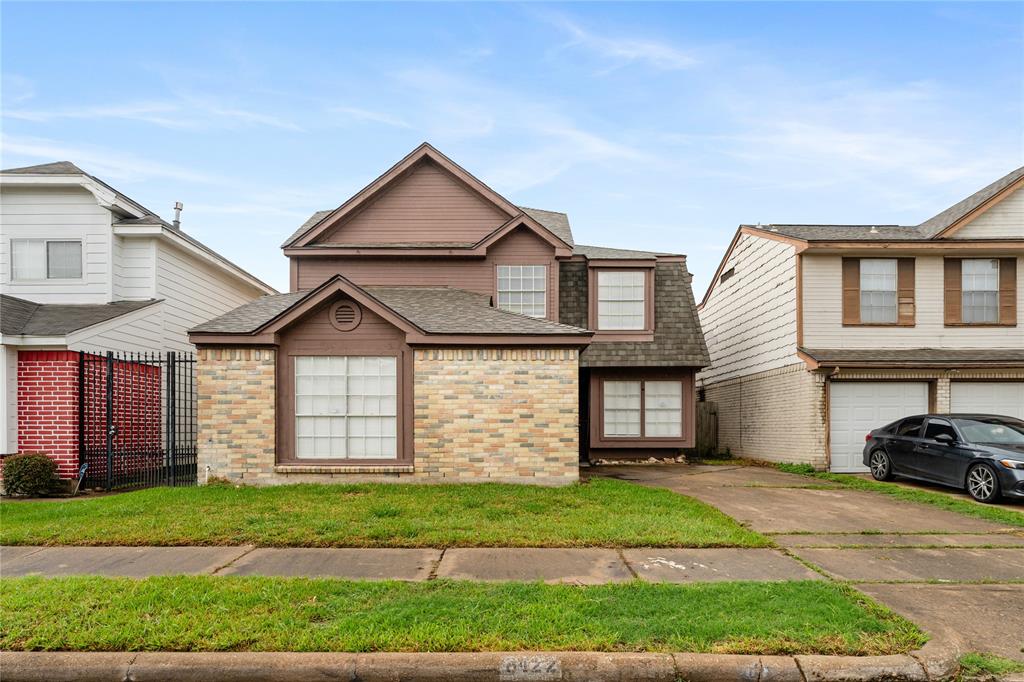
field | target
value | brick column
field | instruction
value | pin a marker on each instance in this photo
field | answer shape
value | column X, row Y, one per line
column 942, row 397
column 48, row 406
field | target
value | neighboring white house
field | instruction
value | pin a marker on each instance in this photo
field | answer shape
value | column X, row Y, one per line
column 820, row 333
column 83, row 267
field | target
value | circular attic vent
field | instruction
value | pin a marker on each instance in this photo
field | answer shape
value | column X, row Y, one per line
column 346, row 315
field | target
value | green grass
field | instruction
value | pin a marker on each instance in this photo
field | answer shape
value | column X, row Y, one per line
column 600, row 513
column 977, row 665
column 1007, row 517
column 203, row 613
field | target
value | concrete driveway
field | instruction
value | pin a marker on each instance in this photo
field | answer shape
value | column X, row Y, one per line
column 921, row 561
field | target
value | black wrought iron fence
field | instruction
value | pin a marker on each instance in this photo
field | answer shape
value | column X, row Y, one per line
column 137, row 419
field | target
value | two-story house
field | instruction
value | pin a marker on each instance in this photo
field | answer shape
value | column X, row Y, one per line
column 436, row 331
column 85, row 268
column 820, row 333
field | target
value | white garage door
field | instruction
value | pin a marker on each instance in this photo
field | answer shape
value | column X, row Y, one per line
column 988, row 397
column 857, row 407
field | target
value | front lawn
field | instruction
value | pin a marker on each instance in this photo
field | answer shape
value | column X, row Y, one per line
column 277, row 614
column 598, row 513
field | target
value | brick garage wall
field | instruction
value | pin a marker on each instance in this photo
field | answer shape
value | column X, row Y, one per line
column 48, row 406
column 777, row 415
column 235, row 392
column 497, row 414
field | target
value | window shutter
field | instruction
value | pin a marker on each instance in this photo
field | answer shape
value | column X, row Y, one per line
column 905, row 290
column 851, row 291
column 953, row 288
column 1007, row 291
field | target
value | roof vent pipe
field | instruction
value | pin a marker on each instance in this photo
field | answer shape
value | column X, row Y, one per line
column 177, row 215
column 873, row 230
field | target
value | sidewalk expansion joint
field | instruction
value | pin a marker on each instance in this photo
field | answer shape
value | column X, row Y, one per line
column 800, row 668
column 629, row 566
column 248, row 550
column 436, row 565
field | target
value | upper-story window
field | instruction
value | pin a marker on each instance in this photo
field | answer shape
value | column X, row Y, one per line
column 878, row 290
column 41, row 259
column 980, row 290
column 523, row 289
column 620, row 300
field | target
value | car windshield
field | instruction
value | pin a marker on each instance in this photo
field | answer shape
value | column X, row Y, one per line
column 1000, row 431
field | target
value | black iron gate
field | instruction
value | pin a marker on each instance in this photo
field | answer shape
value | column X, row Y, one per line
column 137, row 419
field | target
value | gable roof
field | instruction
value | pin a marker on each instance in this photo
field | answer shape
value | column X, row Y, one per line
column 431, row 310
column 942, row 222
column 604, row 252
column 19, row 317
column 54, row 168
column 555, row 221
column 321, row 221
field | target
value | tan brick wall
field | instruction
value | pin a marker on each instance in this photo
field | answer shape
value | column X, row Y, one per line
column 497, row 414
column 480, row 415
column 235, row 392
column 777, row 415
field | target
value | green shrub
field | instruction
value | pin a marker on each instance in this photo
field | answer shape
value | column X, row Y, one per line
column 805, row 469
column 29, row 473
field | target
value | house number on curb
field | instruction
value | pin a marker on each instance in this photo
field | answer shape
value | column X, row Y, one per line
column 530, row 668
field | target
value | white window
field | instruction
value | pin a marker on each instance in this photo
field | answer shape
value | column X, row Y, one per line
column 980, row 290
column 643, row 409
column 523, row 289
column 622, row 408
column 39, row 259
column 620, row 300
column 346, row 407
column 878, row 290
column 663, row 409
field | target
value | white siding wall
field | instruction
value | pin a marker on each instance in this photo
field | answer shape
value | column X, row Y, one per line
column 134, row 268
column 1005, row 219
column 138, row 331
column 749, row 321
column 823, row 317
column 60, row 213
column 193, row 293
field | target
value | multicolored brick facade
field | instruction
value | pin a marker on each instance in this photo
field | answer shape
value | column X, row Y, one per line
column 508, row 415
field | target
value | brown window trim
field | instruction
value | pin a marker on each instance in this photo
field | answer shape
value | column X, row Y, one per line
column 952, row 269
column 597, row 438
column 286, row 409
column 645, row 334
column 906, row 309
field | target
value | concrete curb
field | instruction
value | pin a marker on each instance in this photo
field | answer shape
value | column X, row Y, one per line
column 932, row 663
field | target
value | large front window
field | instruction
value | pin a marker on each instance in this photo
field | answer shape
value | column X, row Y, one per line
column 523, row 289
column 346, row 407
column 980, row 290
column 643, row 409
column 878, row 290
column 40, row 259
column 620, row 300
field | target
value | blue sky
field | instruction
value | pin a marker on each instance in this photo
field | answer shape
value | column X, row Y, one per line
column 655, row 126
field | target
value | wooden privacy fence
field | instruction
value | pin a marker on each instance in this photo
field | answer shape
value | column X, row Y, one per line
column 707, row 428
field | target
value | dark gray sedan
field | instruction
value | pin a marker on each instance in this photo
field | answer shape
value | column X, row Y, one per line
column 980, row 453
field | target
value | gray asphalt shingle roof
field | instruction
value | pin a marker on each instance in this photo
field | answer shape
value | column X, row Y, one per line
column 598, row 252
column 435, row 310
column 19, row 317
column 916, row 356
column 555, row 221
column 941, row 221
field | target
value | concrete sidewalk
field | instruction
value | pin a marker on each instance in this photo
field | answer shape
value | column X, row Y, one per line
column 587, row 566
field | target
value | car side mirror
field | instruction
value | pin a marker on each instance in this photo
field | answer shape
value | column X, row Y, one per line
column 945, row 439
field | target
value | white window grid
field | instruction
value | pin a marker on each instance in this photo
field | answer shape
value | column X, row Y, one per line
column 980, row 290
column 41, row 259
column 523, row 289
column 878, row 302
column 346, row 407
column 663, row 409
column 620, row 300
column 622, row 408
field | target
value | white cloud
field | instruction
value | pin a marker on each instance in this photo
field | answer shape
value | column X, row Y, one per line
column 365, row 115
column 624, row 50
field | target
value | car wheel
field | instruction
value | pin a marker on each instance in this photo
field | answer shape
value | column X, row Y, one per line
column 982, row 483
column 881, row 465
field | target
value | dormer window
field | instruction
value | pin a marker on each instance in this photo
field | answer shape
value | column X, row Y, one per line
column 523, row 289
column 621, row 304
column 41, row 259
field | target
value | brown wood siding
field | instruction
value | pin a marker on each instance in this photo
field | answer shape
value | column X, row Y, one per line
column 1008, row 291
column 520, row 247
column 315, row 335
column 851, row 291
column 597, row 441
column 953, row 283
column 905, row 291
column 427, row 204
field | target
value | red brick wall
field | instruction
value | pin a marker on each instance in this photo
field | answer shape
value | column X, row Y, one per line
column 48, row 406
column 48, row 410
